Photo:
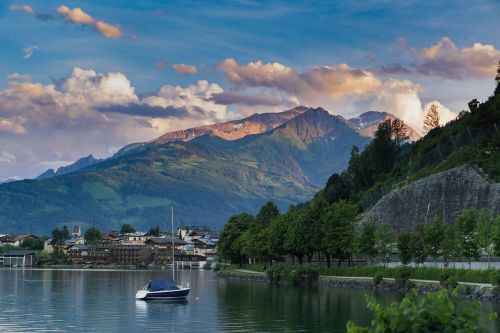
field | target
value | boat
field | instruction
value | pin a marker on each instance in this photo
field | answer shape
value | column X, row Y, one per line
column 165, row 289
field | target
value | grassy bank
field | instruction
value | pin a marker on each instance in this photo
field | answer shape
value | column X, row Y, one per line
column 424, row 273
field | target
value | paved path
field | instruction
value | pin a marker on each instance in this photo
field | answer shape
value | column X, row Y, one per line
column 475, row 284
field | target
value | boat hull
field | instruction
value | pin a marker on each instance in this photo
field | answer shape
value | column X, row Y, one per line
column 162, row 295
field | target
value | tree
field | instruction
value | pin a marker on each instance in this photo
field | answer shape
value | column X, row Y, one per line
column 496, row 237
column 473, row 105
column 65, row 232
column 431, row 118
column 468, row 240
column 298, row 234
column 405, row 252
column 486, row 232
column 418, row 245
column 449, row 245
column 497, row 80
column 154, row 231
column 439, row 311
column 433, row 237
column 337, row 230
column 367, row 241
column 33, row 244
column 127, row 229
column 384, row 239
column 57, row 243
column 227, row 248
column 92, row 236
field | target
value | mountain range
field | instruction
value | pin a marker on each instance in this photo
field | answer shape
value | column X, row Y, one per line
column 208, row 172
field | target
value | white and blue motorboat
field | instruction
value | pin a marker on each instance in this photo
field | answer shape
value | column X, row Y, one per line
column 163, row 290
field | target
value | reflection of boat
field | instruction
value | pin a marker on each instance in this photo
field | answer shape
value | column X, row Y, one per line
column 165, row 289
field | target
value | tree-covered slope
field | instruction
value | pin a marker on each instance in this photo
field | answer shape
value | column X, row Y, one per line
column 208, row 178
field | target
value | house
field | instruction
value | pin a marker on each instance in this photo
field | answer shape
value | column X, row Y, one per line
column 99, row 253
column 18, row 258
column 194, row 230
column 164, row 242
column 135, row 237
column 204, row 246
column 130, row 253
column 113, row 236
column 15, row 240
column 78, row 253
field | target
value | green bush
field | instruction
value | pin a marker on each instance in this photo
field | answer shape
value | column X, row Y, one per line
column 440, row 311
column 402, row 275
column 291, row 274
column 495, row 279
column 448, row 280
column 377, row 278
column 207, row 265
column 217, row 267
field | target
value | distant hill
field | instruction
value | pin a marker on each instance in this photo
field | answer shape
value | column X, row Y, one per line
column 285, row 157
column 79, row 164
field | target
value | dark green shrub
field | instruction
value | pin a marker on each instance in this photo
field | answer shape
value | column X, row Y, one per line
column 311, row 272
column 402, row 275
column 495, row 279
column 217, row 267
column 448, row 280
column 440, row 311
column 377, row 278
column 207, row 265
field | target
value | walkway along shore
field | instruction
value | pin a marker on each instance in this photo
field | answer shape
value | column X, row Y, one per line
column 468, row 290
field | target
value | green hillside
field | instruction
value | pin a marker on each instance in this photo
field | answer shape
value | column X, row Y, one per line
column 208, row 178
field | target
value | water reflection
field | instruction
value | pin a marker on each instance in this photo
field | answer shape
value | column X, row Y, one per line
column 104, row 301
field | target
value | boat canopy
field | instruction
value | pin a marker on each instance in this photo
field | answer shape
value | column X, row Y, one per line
column 163, row 284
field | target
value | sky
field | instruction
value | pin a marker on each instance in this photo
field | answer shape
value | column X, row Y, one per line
column 88, row 77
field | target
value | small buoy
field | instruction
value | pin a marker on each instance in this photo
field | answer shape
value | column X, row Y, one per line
column 197, row 298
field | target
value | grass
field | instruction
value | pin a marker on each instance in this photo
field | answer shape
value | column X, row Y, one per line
column 424, row 273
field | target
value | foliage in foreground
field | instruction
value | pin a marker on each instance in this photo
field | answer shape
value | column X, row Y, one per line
column 440, row 311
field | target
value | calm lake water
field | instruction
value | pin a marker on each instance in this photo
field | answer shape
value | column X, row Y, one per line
column 103, row 301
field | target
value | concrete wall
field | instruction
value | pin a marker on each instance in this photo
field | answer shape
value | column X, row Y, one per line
column 450, row 192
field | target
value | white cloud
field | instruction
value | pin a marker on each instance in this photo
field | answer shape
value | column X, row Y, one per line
column 446, row 60
column 24, row 8
column 401, row 98
column 28, row 51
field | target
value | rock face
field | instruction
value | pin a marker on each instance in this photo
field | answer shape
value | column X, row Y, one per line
column 444, row 194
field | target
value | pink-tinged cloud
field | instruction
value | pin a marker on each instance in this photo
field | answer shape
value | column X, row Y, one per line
column 108, row 30
column 24, row 8
column 10, row 126
column 78, row 16
column 75, row 15
column 310, row 85
column 446, row 60
column 185, row 69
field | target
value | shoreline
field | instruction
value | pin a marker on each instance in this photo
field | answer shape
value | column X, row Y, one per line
column 466, row 291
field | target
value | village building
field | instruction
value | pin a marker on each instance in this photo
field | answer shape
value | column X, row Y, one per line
column 18, row 258
column 15, row 240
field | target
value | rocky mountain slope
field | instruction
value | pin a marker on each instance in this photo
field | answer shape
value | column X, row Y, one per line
column 209, row 178
column 447, row 193
column 79, row 164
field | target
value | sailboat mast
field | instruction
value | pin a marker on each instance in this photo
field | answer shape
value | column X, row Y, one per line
column 173, row 252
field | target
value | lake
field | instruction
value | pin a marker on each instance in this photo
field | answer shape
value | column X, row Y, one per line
column 38, row 300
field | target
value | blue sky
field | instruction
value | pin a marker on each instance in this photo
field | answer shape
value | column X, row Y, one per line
column 347, row 56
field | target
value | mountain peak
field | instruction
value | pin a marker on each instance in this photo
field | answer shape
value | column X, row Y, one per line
column 367, row 123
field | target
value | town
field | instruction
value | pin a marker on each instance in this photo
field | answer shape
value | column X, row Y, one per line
column 193, row 247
